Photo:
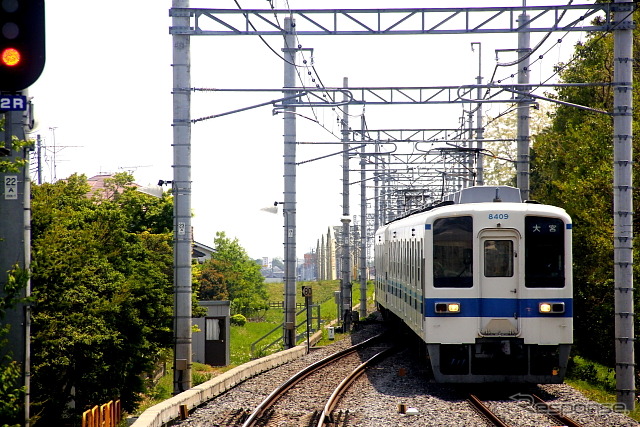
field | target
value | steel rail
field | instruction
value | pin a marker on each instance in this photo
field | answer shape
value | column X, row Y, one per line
column 346, row 383
column 542, row 406
column 485, row 411
column 270, row 400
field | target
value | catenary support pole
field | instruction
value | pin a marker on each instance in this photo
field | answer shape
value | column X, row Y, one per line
column 363, row 223
column 289, row 331
column 522, row 162
column 27, row 291
column 376, row 189
column 623, row 204
column 346, row 247
column 181, row 201
column 15, row 248
column 479, row 127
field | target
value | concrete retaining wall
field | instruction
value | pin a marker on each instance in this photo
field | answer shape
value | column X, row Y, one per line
column 169, row 410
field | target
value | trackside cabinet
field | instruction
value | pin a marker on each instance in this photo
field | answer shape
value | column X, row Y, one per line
column 211, row 343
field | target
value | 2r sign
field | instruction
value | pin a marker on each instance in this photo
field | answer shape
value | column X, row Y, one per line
column 13, row 103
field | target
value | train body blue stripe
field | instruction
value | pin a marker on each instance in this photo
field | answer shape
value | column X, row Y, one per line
column 498, row 307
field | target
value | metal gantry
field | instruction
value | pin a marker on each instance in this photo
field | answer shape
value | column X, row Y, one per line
column 406, row 21
column 187, row 22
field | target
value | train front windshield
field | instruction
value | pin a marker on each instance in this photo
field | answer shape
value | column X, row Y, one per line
column 453, row 252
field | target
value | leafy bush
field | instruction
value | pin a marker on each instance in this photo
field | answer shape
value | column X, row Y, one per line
column 586, row 372
column 592, row 373
column 238, row 319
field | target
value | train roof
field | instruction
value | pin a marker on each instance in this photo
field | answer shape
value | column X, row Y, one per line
column 477, row 194
column 486, row 193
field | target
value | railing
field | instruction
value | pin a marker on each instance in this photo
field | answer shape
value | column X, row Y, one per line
column 312, row 308
column 280, row 304
column 107, row 415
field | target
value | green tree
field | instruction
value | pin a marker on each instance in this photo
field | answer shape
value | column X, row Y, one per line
column 102, row 278
column 232, row 274
column 572, row 167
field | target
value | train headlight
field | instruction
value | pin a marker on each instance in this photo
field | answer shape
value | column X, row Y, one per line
column 551, row 307
column 447, row 307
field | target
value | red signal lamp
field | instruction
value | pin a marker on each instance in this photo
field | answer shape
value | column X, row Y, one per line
column 10, row 57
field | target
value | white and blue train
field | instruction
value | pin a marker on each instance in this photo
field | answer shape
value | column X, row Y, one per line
column 485, row 280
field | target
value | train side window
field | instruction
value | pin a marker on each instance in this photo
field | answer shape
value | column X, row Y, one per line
column 420, row 265
column 453, row 252
column 544, row 252
column 498, row 258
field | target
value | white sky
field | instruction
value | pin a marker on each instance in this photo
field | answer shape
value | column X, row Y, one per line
column 106, row 90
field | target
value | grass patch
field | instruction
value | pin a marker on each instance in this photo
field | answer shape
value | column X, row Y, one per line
column 243, row 337
column 597, row 382
column 323, row 294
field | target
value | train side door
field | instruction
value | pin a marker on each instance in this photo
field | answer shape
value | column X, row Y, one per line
column 499, row 280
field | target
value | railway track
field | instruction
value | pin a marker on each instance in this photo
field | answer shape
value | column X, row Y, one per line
column 265, row 413
column 378, row 397
column 537, row 403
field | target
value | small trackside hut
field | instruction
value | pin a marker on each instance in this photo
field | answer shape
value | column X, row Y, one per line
column 485, row 280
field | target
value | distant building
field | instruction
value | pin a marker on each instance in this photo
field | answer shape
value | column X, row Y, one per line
column 97, row 184
column 307, row 269
column 272, row 274
column 326, row 263
column 201, row 252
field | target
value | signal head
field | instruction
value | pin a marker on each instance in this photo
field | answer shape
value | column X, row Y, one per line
column 22, row 43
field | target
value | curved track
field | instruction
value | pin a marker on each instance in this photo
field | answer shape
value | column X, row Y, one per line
column 263, row 411
column 344, row 385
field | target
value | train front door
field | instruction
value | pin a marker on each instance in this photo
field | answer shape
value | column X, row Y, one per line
column 499, row 288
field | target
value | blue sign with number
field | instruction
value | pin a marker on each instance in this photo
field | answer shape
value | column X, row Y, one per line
column 13, row 103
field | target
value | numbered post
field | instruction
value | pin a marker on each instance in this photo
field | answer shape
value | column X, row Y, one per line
column 307, row 293
column 11, row 187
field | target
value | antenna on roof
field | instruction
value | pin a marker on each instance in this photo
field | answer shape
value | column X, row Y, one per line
column 497, row 198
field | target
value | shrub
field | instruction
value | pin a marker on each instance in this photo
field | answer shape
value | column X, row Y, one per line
column 238, row 319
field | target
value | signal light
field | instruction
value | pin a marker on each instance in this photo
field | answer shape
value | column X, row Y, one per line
column 22, row 43
column 10, row 57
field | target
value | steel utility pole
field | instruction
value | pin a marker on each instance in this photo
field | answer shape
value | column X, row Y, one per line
column 346, row 248
column 479, row 128
column 623, row 204
column 289, row 331
column 363, row 224
column 522, row 162
column 181, row 201
column 15, row 248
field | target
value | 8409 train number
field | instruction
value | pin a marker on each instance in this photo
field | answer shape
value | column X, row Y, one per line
column 498, row 216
